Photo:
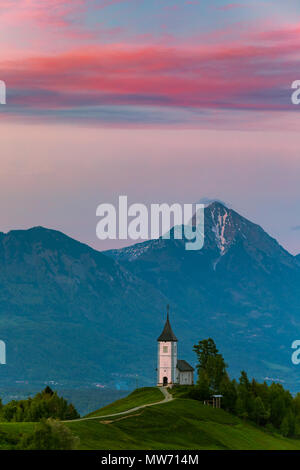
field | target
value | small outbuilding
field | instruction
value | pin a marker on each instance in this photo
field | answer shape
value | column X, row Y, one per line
column 185, row 373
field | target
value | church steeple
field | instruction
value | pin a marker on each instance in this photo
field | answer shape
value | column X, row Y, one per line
column 170, row 370
column 167, row 333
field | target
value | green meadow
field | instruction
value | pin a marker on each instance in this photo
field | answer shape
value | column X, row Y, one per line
column 138, row 397
column 178, row 424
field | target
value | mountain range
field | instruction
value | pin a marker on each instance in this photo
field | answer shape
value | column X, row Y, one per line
column 71, row 314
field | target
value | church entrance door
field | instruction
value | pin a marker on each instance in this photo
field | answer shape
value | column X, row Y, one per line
column 165, row 381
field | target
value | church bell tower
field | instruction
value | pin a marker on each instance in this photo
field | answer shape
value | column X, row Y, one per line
column 167, row 355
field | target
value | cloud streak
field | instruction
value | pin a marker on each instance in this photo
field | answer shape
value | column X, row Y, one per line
column 46, row 13
column 254, row 77
column 250, row 74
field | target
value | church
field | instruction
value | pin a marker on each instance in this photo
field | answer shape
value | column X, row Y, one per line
column 170, row 370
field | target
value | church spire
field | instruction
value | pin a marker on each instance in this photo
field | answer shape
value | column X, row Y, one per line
column 167, row 333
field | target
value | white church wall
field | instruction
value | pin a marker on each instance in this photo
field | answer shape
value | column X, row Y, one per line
column 185, row 378
column 167, row 360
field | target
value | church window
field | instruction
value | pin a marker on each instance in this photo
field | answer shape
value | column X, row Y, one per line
column 165, row 349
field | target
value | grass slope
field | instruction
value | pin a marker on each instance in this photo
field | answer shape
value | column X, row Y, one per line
column 179, row 424
column 10, row 434
column 141, row 396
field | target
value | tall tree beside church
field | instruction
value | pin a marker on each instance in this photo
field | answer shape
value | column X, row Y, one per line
column 203, row 391
column 211, row 362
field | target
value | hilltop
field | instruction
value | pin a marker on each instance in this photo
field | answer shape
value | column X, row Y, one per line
column 177, row 424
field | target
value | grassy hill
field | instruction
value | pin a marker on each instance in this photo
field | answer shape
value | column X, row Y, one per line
column 138, row 397
column 179, row 424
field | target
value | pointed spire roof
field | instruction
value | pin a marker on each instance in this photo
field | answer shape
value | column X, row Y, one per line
column 167, row 333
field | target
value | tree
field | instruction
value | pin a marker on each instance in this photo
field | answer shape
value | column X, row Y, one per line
column 260, row 414
column 46, row 404
column 49, row 435
column 47, row 391
column 240, row 409
column 245, row 394
column 205, row 349
column 292, row 422
column 285, row 426
column 244, row 381
column 278, row 411
column 203, row 390
column 216, row 371
column 267, row 405
column 228, row 390
column 297, row 404
column 71, row 412
column 210, row 361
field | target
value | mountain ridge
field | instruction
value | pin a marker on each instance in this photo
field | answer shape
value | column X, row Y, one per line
column 69, row 313
column 242, row 279
column 57, row 302
column 212, row 206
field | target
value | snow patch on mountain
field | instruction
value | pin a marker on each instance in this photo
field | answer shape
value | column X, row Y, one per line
column 220, row 221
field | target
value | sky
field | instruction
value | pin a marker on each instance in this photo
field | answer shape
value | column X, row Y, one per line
column 161, row 100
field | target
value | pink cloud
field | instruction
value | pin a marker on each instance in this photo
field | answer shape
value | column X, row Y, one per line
column 197, row 77
column 250, row 73
column 47, row 12
column 50, row 12
column 289, row 33
column 52, row 26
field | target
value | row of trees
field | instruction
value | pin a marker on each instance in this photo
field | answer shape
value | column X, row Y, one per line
column 267, row 405
column 46, row 404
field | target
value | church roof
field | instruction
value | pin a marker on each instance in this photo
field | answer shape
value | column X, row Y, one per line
column 167, row 333
column 184, row 366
